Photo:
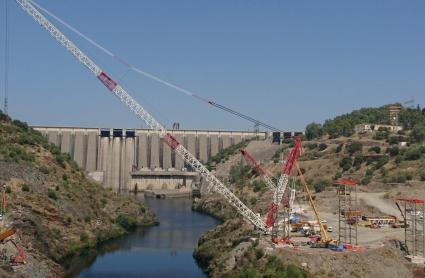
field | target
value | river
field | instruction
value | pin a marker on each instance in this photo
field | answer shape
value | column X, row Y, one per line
column 161, row 251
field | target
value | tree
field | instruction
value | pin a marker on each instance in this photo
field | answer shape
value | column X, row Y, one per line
column 313, row 130
column 375, row 149
column 321, row 185
column 346, row 163
column 393, row 140
column 354, row 147
column 417, row 134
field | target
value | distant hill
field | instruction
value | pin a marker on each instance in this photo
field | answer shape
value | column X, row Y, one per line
column 343, row 125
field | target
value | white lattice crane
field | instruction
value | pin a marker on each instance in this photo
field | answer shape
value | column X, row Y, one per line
column 214, row 183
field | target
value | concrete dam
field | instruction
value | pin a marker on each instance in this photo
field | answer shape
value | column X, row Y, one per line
column 125, row 159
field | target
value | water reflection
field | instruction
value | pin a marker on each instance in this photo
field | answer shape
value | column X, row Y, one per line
column 161, row 251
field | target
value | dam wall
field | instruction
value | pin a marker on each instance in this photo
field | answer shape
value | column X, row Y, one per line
column 111, row 155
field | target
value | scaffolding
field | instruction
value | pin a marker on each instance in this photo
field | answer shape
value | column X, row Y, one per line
column 414, row 225
column 348, row 213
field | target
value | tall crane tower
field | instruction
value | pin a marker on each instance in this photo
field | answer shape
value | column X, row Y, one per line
column 214, row 183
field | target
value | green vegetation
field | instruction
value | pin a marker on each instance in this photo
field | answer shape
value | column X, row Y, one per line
column 276, row 156
column 52, row 194
column 258, row 185
column 25, row 187
column 346, row 163
column 393, row 151
column 313, row 130
column 375, row 149
column 44, row 169
column 273, row 268
column 239, row 174
column 321, row 185
column 410, row 119
column 224, row 154
column 322, row 147
column 354, row 147
column 127, row 222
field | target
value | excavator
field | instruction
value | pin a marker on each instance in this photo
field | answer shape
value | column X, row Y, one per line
column 324, row 241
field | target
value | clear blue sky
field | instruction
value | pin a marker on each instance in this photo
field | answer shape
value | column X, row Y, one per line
column 284, row 62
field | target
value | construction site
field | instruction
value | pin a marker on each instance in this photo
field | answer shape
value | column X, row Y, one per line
column 288, row 215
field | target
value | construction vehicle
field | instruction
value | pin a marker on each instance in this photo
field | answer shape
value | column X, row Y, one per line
column 322, row 241
column 213, row 183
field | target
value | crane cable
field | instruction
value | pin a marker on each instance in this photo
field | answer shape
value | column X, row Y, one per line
column 6, row 60
column 151, row 76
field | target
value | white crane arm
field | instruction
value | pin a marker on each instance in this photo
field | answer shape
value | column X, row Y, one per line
column 141, row 113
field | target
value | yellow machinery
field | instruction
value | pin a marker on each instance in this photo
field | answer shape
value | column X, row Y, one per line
column 324, row 241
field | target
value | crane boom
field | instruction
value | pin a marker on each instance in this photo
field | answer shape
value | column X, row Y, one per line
column 259, row 169
column 141, row 113
column 323, row 233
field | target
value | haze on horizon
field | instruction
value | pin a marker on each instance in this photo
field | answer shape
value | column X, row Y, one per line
column 284, row 63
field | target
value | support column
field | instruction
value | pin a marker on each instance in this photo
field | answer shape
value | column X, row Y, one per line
column 91, row 151
column 203, row 148
column 179, row 163
column 143, row 151
column 154, row 151
column 166, row 156
column 214, row 144
column 66, row 142
column 191, row 143
column 225, row 141
column 116, row 157
column 79, row 153
column 129, row 162
column 52, row 137
column 237, row 139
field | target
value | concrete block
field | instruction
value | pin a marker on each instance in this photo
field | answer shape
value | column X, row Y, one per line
column 237, row 139
column 191, row 143
column 214, row 144
column 91, row 158
column 178, row 161
column 79, row 148
column 166, row 156
column 116, row 161
column 142, row 151
column 104, row 144
column 154, row 163
column 226, row 142
column 52, row 137
column 203, row 148
column 66, row 142
column 129, row 162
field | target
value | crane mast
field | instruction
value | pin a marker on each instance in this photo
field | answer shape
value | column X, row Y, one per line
column 283, row 182
column 141, row 113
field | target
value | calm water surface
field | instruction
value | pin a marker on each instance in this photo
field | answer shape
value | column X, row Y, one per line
column 160, row 251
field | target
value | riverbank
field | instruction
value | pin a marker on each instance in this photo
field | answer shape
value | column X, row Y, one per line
column 165, row 250
column 54, row 211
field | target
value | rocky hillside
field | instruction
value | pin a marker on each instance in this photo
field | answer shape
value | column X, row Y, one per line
column 54, row 209
column 384, row 167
